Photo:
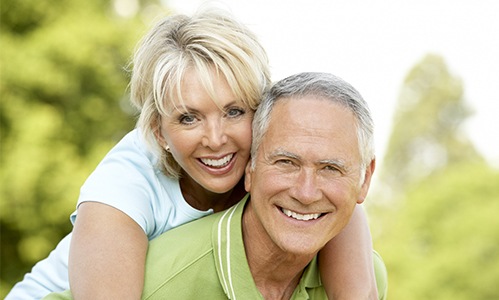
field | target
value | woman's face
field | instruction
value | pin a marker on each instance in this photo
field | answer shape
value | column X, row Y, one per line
column 210, row 141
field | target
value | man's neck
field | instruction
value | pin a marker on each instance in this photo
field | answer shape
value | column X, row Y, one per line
column 275, row 278
column 275, row 272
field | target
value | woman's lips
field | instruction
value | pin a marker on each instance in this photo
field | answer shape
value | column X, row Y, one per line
column 217, row 163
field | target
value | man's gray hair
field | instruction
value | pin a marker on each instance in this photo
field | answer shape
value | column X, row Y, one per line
column 321, row 85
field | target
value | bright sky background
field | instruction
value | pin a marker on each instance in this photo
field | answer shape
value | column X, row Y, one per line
column 373, row 44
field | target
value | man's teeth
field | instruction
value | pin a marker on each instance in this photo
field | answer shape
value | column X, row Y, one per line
column 217, row 162
column 298, row 216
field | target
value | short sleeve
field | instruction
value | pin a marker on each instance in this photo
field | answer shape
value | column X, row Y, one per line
column 125, row 179
column 129, row 180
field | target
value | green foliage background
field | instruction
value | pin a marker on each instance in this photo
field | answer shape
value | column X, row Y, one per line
column 64, row 104
column 434, row 212
column 441, row 242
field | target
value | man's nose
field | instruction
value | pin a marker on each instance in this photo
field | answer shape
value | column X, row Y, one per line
column 306, row 188
column 214, row 135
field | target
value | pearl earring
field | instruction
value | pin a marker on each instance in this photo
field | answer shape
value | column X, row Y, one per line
column 167, row 148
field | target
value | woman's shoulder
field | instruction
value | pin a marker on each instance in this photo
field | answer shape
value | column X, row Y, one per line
column 130, row 155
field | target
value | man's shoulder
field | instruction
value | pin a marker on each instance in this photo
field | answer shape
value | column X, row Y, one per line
column 196, row 232
column 179, row 258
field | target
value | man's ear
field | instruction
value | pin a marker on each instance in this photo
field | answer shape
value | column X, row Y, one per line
column 364, row 188
column 247, row 176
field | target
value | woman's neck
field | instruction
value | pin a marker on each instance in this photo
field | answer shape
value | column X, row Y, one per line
column 202, row 199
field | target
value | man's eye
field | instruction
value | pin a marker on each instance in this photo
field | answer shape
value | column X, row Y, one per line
column 284, row 162
column 235, row 112
column 331, row 169
column 187, row 119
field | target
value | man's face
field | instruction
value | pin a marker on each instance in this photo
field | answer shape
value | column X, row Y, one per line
column 306, row 181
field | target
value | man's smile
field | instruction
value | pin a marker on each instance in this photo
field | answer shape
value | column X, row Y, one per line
column 299, row 216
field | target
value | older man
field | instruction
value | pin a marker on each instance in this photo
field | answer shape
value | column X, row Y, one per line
column 312, row 163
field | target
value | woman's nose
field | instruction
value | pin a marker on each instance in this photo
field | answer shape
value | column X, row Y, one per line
column 214, row 135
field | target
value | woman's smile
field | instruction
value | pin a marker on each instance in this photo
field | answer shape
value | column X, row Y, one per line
column 217, row 163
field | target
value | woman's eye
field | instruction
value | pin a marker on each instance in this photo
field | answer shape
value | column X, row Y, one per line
column 235, row 112
column 187, row 119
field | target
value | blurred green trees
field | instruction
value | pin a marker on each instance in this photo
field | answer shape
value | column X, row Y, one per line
column 427, row 133
column 436, row 226
column 64, row 104
column 442, row 241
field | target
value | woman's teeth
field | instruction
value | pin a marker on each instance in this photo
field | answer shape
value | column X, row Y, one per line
column 298, row 216
column 217, row 163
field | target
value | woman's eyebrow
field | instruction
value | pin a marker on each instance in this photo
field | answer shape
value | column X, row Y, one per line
column 232, row 103
column 183, row 109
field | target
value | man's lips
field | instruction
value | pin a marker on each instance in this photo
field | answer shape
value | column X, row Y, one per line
column 299, row 216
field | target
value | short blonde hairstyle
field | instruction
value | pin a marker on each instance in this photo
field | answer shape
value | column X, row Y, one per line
column 209, row 40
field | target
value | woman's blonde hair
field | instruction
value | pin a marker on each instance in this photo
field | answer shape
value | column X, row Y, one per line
column 209, row 40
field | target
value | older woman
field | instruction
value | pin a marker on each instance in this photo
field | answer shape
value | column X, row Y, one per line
column 196, row 81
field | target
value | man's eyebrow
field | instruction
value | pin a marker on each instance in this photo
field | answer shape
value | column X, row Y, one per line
column 339, row 163
column 283, row 153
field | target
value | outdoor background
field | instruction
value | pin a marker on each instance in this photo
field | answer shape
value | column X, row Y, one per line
column 429, row 69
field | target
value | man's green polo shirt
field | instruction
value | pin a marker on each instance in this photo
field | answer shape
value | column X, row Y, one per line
column 213, row 265
column 206, row 259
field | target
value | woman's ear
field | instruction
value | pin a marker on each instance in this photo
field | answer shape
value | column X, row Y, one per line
column 160, row 138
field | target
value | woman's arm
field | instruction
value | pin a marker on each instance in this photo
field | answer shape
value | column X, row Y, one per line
column 346, row 262
column 107, row 254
